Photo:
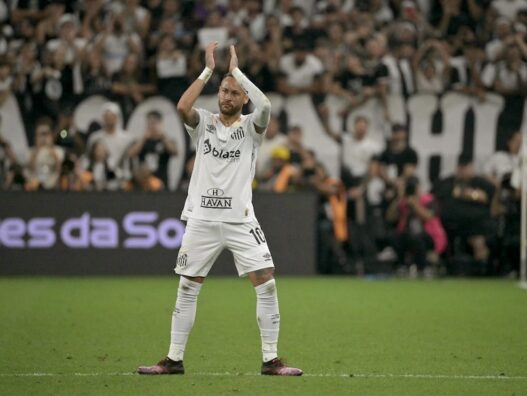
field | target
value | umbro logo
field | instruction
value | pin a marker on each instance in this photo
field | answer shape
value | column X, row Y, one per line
column 210, row 128
column 238, row 134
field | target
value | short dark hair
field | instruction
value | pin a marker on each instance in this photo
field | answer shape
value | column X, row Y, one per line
column 398, row 127
column 155, row 114
column 464, row 159
column 45, row 120
column 229, row 74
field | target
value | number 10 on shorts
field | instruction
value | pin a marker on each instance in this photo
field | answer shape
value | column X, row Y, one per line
column 258, row 234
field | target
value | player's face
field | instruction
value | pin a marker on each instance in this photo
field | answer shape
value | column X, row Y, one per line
column 231, row 97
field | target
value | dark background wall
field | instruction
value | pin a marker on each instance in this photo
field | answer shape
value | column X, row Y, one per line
column 135, row 233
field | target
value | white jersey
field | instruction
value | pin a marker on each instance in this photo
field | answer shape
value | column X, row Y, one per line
column 221, row 184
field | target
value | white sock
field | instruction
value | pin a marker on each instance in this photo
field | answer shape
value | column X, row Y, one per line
column 183, row 317
column 268, row 318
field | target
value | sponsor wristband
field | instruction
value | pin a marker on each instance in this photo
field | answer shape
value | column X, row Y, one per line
column 205, row 74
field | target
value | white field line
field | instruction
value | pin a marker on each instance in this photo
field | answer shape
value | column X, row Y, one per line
column 327, row 375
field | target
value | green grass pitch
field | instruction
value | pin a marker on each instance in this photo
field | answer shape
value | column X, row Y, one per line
column 70, row 336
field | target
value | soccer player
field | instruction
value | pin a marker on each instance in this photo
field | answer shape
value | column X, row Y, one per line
column 219, row 211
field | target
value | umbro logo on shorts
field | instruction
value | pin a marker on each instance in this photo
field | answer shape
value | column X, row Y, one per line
column 267, row 257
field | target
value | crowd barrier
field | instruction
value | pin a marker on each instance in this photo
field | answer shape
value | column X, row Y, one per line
column 53, row 233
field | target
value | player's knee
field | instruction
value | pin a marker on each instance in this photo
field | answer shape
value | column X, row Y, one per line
column 261, row 276
column 188, row 287
column 267, row 288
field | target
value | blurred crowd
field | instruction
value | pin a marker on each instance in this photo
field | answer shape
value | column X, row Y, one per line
column 54, row 54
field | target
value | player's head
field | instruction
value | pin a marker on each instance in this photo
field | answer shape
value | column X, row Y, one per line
column 231, row 96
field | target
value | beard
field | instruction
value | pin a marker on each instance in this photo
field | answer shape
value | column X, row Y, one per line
column 229, row 110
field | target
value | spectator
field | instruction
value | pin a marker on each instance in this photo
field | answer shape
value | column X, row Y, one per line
column 116, row 141
column 357, row 147
column 144, row 180
column 508, row 78
column 7, row 159
column 301, row 72
column 399, row 60
column 171, row 69
column 419, row 229
column 282, row 175
column 26, row 68
column 273, row 138
column 332, row 222
column 432, row 68
column 99, row 173
column 96, row 79
column 258, row 69
column 72, row 176
column 57, row 84
column 450, row 15
column 298, row 30
column 295, row 145
column 47, row 26
column 45, row 159
column 92, row 16
column 67, row 39
column 136, row 18
column 6, row 81
column 256, row 20
column 468, row 69
column 116, row 44
column 502, row 163
column 398, row 159
column 154, row 149
column 502, row 31
column 354, row 83
column 465, row 201
column 509, row 8
column 27, row 10
column 129, row 87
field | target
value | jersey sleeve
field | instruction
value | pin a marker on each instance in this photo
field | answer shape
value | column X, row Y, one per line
column 195, row 132
column 257, row 137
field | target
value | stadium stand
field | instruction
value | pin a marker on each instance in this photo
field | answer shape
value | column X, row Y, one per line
column 452, row 74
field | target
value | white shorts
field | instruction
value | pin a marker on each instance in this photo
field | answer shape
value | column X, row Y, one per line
column 203, row 242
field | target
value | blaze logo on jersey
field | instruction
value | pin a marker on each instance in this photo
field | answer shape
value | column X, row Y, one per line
column 216, row 202
column 238, row 134
column 230, row 155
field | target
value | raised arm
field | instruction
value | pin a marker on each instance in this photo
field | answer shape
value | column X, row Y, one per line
column 186, row 102
column 262, row 111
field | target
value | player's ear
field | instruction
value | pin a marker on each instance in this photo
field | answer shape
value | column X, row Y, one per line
column 245, row 99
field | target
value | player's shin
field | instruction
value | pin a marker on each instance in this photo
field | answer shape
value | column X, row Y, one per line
column 268, row 317
column 183, row 317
